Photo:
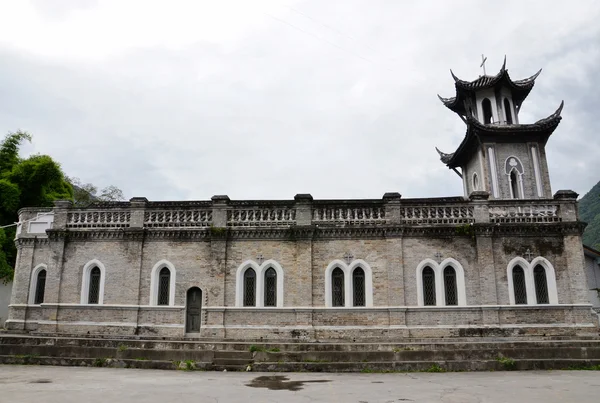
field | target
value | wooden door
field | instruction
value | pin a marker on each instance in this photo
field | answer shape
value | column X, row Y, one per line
column 193, row 310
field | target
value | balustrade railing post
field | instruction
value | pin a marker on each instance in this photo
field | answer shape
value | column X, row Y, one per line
column 61, row 212
column 219, row 210
column 392, row 201
column 138, row 206
column 567, row 200
column 481, row 210
column 303, row 208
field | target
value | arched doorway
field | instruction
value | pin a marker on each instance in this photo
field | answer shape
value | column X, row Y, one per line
column 193, row 312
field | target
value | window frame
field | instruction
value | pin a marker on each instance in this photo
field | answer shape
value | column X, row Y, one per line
column 85, row 282
column 438, row 268
column 528, row 268
column 33, row 283
column 260, row 271
column 155, row 282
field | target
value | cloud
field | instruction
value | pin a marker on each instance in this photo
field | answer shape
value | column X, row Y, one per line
column 265, row 101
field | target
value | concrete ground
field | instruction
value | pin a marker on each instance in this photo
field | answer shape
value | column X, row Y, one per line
column 71, row 384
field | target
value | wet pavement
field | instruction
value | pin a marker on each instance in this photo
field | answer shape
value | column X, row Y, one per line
column 70, row 384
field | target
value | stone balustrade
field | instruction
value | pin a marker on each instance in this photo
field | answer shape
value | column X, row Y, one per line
column 264, row 215
column 98, row 219
column 178, row 218
column 222, row 212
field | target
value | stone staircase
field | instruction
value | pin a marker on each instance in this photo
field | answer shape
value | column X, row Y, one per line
column 467, row 354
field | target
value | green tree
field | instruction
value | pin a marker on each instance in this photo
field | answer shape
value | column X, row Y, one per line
column 85, row 194
column 35, row 181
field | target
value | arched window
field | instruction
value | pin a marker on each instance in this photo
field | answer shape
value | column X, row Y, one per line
column 337, row 287
column 250, row 287
column 428, row 286
column 486, row 105
column 541, row 285
column 270, row 287
column 94, row 291
column 520, row 288
column 358, row 286
column 164, row 286
column 514, row 184
column 40, row 287
column 450, row 289
column 507, row 112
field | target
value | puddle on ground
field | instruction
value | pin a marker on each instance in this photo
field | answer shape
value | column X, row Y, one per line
column 41, row 381
column 278, row 382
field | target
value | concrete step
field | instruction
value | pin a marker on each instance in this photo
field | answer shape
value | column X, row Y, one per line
column 274, row 346
column 425, row 366
column 365, row 367
column 449, row 353
column 592, row 335
column 99, row 362
column 105, row 352
column 244, row 355
column 231, row 361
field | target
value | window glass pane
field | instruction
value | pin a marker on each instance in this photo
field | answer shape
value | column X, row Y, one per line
column 428, row 286
column 250, row 288
column 337, row 285
column 40, row 287
column 519, row 286
column 94, row 292
column 541, row 285
column 270, row 287
column 450, row 286
column 164, row 286
column 358, row 285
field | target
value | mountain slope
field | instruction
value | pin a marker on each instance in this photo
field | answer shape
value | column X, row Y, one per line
column 589, row 211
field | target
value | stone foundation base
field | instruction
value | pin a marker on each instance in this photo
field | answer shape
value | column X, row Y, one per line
column 309, row 324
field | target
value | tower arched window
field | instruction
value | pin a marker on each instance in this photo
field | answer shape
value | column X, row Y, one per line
column 358, row 286
column 270, row 287
column 541, row 285
column 514, row 184
column 40, row 287
column 164, row 286
column 507, row 112
column 450, row 289
column 250, row 287
column 337, row 287
column 520, row 289
column 94, row 291
column 428, row 286
column 486, row 105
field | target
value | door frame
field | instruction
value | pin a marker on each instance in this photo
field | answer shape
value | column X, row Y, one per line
column 185, row 328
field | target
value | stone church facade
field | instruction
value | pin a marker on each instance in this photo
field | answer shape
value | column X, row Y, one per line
column 504, row 259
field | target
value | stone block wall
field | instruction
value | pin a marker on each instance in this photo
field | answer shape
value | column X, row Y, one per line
column 391, row 245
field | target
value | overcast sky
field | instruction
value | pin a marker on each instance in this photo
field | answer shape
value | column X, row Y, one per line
column 266, row 99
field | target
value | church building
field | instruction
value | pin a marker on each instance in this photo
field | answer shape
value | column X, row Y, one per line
column 505, row 259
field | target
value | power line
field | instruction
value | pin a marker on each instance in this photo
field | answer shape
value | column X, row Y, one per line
column 23, row 222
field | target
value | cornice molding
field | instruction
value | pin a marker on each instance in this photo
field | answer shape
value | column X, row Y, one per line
column 311, row 232
column 30, row 242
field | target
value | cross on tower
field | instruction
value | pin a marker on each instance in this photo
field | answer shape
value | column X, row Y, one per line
column 528, row 255
column 438, row 256
column 483, row 60
column 260, row 258
column 348, row 256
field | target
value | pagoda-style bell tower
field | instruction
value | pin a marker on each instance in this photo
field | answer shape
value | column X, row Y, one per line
column 500, row 155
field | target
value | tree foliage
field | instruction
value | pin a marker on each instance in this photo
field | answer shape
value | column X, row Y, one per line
column 589, row 211
column 35, row 181
column 86, row 193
